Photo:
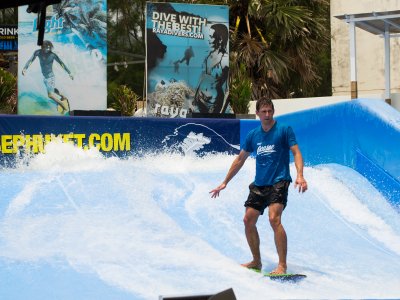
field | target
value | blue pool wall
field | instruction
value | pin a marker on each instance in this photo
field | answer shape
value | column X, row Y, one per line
column 363, row 134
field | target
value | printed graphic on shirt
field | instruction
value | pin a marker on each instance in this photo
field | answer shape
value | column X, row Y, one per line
column 265, row 149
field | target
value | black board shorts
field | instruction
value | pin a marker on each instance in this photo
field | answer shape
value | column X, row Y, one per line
column 261, row 197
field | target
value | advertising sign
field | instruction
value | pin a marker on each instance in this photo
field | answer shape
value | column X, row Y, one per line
column 69, row 71
column 117, row 136
column 187, row 63
column 8, row 38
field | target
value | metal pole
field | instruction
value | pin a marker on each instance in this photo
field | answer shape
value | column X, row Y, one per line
column 387, row 63
column 353, row 60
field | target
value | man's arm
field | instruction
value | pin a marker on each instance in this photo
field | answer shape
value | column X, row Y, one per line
column 298, row 162
column 233, row 170
column 63, row 65
column 29, row 62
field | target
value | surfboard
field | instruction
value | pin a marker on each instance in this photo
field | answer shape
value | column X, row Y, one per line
column 60, row 108
column 288, row 277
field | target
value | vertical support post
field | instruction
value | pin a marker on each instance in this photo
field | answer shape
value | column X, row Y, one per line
column 387, row 63
column 353, row 60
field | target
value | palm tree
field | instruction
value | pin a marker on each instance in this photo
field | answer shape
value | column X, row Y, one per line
column 278, row 40
column 93, row 20
column 86, row 19
column 126, row 25
column 126, row 40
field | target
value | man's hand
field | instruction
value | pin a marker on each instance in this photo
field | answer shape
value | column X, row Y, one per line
column 23, row 71
column 70, row 76
column 215, row 192
column 301, row 184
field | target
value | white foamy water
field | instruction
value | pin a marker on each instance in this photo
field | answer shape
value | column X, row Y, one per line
column 143, row 227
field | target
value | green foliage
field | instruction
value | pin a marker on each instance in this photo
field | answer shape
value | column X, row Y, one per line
column 126, row 42
column 122, row 99
column 278, row 41
column 9, row 16
column 8, row 92
column 284, row 44
column 324, row 66
column 240, row 91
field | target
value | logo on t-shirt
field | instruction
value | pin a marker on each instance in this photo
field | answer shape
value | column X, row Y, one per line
column 265, row 149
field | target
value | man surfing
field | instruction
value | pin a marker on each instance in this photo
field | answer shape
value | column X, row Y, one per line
column 271, row 143
column 46, row 58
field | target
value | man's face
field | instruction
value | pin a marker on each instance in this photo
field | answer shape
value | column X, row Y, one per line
column 212, row 37
column 46, row 49
column 266, row 113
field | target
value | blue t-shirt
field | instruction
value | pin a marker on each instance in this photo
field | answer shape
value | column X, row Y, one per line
column 272, row 153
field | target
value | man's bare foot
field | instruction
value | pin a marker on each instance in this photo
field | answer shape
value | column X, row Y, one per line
column 253, row 265
column 279, row 270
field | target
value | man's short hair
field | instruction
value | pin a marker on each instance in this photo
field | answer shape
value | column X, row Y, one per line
column 264, row 101
column 47, row 45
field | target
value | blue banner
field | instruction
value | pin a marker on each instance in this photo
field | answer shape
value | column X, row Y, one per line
column 118, row 136
column 69, row 71
column 8, row 38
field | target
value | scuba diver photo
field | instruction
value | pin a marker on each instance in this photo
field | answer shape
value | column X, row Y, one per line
column 187, row 68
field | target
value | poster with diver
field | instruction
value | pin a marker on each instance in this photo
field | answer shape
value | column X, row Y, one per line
column 187, row 64
column 69, row 70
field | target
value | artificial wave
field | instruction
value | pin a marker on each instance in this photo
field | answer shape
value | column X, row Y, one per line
column 77, row 225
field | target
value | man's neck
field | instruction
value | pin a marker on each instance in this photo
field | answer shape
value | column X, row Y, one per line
column 268, row 125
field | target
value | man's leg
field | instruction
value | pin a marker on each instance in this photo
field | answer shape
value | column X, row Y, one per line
column 52, row 91
column 275, row 213
column 253, row 239
column 56, row 91
column 54, row 97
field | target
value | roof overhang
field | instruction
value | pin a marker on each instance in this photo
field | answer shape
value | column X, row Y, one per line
column 375, row 22
column 385, row 24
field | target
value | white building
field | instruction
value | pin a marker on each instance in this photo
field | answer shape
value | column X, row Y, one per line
column 369, row 52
